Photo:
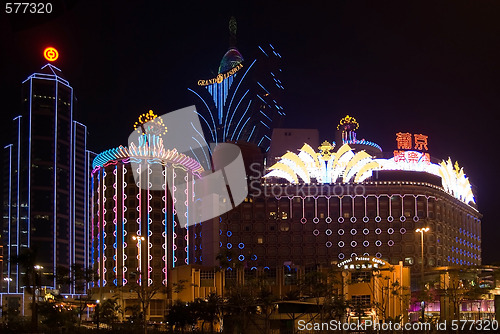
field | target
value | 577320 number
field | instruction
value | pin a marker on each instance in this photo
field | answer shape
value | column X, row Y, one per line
column 28, row 8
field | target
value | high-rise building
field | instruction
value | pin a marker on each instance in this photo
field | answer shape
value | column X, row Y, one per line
column 242, row 102
column 45, row 183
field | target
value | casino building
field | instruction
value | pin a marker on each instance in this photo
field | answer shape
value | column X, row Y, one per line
column 347, row 199
column 242, row 102
column 135, row 232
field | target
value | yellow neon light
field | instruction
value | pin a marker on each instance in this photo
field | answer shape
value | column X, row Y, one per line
column 348, row 120
column 358, row 157
column 219, row 78
column 155, row 124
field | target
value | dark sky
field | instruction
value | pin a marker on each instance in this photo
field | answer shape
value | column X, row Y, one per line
column 428, row 67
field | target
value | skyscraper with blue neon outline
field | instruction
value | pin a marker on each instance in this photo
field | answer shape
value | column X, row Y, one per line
column 45, row 182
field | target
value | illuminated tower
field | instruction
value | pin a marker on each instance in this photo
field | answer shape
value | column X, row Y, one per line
column 136, row 235
column 46, row 180
column 242, row 102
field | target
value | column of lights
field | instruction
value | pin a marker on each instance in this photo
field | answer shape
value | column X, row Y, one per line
column 150, row 257
column 115, row 223
column 138, row 208
column 138, row 239
column 165, row 228
column 99, row 244
column 422, row 231
column 186, row 249
column 174, row 235
column 124, row 221
column 104, row 270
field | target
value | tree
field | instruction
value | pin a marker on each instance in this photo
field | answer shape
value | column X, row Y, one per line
column 384, row 289
column 78, row 278
column 145, row 293
column 241, row 304
column 28, row 261
column 208, row 310
column 181, row 315
column 56, row 314
column 320, row 286
column 109, row 311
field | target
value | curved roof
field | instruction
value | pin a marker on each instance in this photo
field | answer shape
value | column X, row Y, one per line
column 232, row 58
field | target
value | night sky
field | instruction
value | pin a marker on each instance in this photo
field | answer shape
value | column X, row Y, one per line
column 430, row 67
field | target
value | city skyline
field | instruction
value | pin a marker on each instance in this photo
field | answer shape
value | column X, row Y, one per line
column 405, row 68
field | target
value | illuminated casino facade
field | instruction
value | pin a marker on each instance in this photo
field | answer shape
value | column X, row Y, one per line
column 241, row 102
column 350, row 199
column 135, row 231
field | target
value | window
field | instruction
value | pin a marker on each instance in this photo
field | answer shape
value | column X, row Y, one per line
column 284, row 227
column 361, row 277
column 361, row 301
column 260, row 239
column 290, row 275
column 207, row 274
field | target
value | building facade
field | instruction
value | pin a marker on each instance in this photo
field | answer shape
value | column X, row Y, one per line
column 45, row 183
column 325, row 206
column 135, row 232
column 242, row 102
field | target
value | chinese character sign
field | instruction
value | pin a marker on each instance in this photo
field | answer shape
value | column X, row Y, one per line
column 407, row 141
column 403, row 140
column 420, row 142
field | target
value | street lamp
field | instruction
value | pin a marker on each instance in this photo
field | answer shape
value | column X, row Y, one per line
column 422, row 231
column 34, row 316
column 138, row 240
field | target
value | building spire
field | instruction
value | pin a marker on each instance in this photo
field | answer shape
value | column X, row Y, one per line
column 232, row 32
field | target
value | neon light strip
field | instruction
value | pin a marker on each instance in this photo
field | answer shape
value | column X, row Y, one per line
column 9, row 247
column 187, row 218
column 269, row 118
column 72, row 222
column 115, row 222
column 29, row 163
column 139, row 250
column 55, row 183
column 264, row 52
column 103, row 226
column 242, row 127
column 124, row 232
column 165, row 216
column 251, row 133
column 18, row 200
column 99, row 223
column 226, row 126
column 206, row 158
column 239, row 83
column 263, row 88
column 147, row 227
column 210, row 113
column 173, row 217
column 241, row 118
column 92, row 236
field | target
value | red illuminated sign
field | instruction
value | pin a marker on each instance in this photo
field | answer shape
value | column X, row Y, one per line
column 405, row 141
column 50, row 54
